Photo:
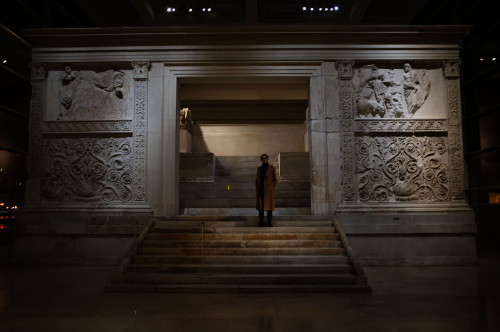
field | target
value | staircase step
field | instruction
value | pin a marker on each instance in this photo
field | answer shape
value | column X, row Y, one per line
column 266, row 259
column 241, row 251
column 240, row 288
column 244, row 230
column 240, row 268
column 240, row 278
column 240, row 236
column 241, row 244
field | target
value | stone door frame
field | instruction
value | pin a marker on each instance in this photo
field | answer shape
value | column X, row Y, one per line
column 319, row 74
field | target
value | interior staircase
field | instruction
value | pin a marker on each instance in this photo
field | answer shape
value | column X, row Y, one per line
column 233, row 191
column 232, row 254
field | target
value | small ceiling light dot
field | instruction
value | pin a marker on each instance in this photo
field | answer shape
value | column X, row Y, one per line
column 190, row 10
column 204, row 9
column 321, row 9
column 304, row 8
column 4, row 61
column 494, row 59
column 209, row 9
column 312, row 9
column 336, row 8
column 481, row 59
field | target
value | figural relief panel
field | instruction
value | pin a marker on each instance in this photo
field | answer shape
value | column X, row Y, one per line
column 402, row 93
column 96, row 170
column 89, row 95
column 402, row 168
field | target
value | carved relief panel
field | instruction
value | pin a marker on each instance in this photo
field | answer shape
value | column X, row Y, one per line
column 96, row 170
column 94, row 133
column 89, row 95
column 402, row 93
column 402, row 168
column 401, row 131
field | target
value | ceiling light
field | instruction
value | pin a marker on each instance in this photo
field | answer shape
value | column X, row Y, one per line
column 4, row 61
column 312, row 9
column 204, row 9
column 481, row 59
column 304, row 8
column 320, row 9
column 190, row 10
column 336, row 8
column 494, row 59
column 209, row 9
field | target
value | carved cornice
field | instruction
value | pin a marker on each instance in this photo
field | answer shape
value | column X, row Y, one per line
column 59, row 127
column 400, row 125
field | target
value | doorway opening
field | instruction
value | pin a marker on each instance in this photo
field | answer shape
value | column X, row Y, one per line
column 226, row 124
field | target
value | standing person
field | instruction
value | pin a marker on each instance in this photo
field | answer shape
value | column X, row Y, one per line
column 265, row 183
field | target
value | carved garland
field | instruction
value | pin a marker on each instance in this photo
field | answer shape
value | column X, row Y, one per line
column 141, row 88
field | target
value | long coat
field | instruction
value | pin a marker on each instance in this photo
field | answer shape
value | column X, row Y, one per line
column 270, row 181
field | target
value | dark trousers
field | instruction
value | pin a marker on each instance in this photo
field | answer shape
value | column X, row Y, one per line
column 261, row 212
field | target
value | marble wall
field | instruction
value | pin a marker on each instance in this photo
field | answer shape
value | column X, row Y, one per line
column 383, row 132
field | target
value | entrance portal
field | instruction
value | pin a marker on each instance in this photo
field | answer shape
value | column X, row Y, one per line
column 225, row 127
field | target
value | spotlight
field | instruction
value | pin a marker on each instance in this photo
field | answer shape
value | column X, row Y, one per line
column 336, row 8
column 320, row 9
column 481, row 59
column 4, row 61
column 494, row 59
column 190, row 10
column 170, row 9
column 204, row 9
column 312, row 9
column 209, row 9
column 304, row 8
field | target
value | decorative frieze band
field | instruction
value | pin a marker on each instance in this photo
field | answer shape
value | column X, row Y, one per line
column 121, row 126
column 34, row 162
column 140, row 109
column 455, row 137
column 400, row 125
column 345, row 70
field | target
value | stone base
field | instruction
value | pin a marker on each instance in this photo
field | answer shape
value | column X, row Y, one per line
column 90, row 238
column 412, row 239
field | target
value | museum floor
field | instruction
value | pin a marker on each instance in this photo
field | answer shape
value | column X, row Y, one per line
column 404, row 299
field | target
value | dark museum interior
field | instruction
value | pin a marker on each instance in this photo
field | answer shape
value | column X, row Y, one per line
column 426, row 299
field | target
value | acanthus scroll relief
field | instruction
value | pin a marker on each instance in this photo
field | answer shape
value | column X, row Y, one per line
column 87, row 170
column 402, row 169
column 391, row 93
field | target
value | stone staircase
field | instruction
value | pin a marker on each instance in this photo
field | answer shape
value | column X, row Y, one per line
column 195, row 254
column 233, row 191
